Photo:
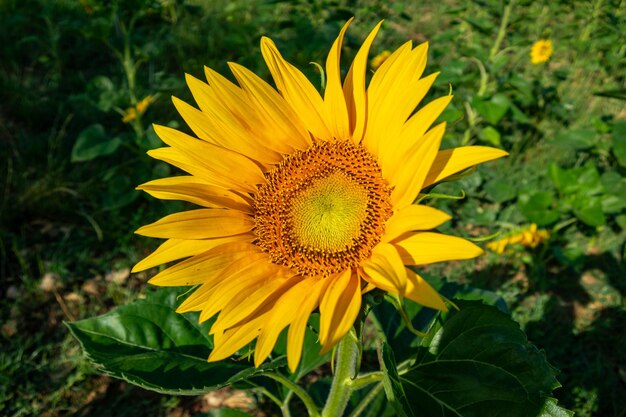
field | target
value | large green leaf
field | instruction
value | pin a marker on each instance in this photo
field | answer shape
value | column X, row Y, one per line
column 479, row 363
column 403, row 342
column 537, row 207
column 392, row 384
column 148, row 344
column 575, row 139
column 500, row 190
column 494, row 109
column 92, row 143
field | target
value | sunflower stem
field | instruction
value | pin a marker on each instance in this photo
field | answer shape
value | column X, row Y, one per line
column 502, row 31
column 346, row 368
column 310, row 405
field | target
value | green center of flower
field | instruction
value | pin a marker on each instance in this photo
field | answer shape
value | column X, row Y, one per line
column 328, row 214
column 322, row 210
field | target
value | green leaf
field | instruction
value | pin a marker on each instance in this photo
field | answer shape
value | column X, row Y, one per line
column 403, row 342
column 589, row 180
column 576, row 139
column 480, row 364
column 150, row 345
column 450, row 114
column 494, row 109
column 519, row 116
column 120, row 192
column 537, row 208
column 107, row 95
column 499, row 190
column 92, row 143
column 589, row 210
column 551, row 409
column 393, row 386
column 619, row 142
column 621, row 221
column 564, row 180
column 490, row 135
column 613, row 203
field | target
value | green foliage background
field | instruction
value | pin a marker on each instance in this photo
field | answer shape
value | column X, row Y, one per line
column 69, row 165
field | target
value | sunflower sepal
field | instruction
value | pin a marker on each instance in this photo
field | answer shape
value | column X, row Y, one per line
column 398, row 303
column 439, row 196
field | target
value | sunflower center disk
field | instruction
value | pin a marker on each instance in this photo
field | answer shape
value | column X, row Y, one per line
column 328, row 214
column 322, row 210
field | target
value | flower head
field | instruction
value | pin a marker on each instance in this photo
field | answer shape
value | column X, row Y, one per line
column 140, row 108
column 541, row 51
column 307, row 200
column 529, row 237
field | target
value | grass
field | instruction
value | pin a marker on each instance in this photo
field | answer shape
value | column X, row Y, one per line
column 67, row 220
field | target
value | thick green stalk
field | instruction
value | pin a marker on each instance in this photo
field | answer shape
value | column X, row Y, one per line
column 346, row 368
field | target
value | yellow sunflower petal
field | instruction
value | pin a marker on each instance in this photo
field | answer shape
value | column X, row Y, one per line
column 248, row 301
column 295, row 336
column 385, row 269
column 412, row 218
column 426, row 248
column 286, row 130
column 214, row 104
column 281, row 316
column 354, row 84
column 422, row 293
column 199, row 224
column 409, row 179
column 334, row 100
column 232, row 340
column 354, row 88
column 241, row 171
column 174, row 249
column 297, row 90
column 398, row 146
column 198, row 299
column 339, row 307
column 195, row 190
column 224, row 129
column 450, row 161
column 180, row 160
column 392, row 99
column 254, row 276
column 232, row 97
column 196, row 269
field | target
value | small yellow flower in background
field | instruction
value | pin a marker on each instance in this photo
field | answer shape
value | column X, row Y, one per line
column 140, row 108
column 541, row 51
column 529, row 237
column 379, row 59
column 129, row 115
column 307, row 199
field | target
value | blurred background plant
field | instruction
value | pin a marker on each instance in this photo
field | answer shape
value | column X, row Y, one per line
column 81, row 82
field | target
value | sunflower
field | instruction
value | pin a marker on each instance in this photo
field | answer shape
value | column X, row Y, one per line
column 307, row 200
column 529, row 237
column 541, row 51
